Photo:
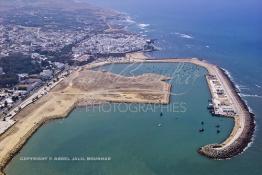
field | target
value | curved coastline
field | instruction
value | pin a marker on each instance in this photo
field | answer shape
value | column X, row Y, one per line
column 243, row 131
column 214, row 151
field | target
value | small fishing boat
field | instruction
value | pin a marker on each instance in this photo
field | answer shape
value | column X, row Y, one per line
column 159, row 125
column 201, row 130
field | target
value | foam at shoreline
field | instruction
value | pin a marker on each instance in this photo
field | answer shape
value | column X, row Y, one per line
column 143, row 26
column 238, row 88
column 250, row 95
column 183, row 35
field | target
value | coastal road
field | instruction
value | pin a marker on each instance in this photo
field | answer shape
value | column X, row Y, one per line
column 4, row 125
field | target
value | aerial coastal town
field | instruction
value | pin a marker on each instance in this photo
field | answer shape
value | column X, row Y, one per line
column 39, row 47
column 48, row 58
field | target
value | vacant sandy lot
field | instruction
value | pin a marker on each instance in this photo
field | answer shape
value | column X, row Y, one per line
column 83, row 86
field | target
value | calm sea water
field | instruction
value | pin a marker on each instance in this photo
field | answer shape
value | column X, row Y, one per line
column 223, row 32
column 131, row 137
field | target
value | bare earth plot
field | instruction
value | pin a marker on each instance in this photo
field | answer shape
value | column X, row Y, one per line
column 83, row 86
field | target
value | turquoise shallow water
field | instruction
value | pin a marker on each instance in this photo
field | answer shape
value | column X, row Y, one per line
column 131, row 137
column 227, row 33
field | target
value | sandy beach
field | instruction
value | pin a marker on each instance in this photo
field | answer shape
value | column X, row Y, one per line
column 85, row 86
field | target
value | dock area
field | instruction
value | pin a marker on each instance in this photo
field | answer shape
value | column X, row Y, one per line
column 221, row 103
column 226, row 102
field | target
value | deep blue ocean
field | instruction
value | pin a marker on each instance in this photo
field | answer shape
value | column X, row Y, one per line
column 227, row 33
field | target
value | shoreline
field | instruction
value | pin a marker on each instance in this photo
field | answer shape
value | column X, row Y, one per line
column 27, row 137
column 211, row 150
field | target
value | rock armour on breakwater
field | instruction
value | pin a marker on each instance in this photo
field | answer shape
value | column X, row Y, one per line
column 244, row 127
column 213, row 150
column 234, row 149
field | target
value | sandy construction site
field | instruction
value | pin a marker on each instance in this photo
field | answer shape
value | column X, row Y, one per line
column 86, row 87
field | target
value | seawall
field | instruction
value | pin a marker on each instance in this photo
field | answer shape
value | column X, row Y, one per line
column 220, row 151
